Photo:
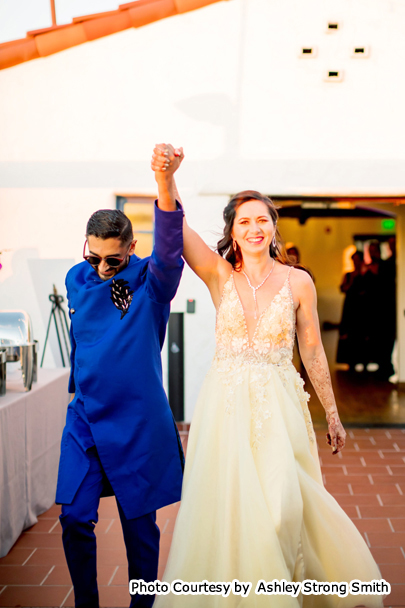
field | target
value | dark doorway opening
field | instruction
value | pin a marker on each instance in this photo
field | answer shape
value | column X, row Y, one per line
column 314, row 226
column 176, row 364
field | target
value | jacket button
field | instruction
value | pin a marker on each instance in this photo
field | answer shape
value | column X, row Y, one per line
column 72, row 311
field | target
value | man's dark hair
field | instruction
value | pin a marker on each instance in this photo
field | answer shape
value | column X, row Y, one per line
column 110, row 224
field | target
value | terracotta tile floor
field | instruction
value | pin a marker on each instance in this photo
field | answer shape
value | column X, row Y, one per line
column 368, row 481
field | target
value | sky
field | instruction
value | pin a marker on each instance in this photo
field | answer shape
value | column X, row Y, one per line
column 17, row 17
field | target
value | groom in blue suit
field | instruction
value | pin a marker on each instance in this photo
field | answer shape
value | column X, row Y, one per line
column 120, row 436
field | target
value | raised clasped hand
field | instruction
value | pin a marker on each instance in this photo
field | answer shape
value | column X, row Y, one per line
column 166, row 159
column 336, row 437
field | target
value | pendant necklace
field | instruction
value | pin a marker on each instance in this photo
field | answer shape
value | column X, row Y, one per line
column 254, row 289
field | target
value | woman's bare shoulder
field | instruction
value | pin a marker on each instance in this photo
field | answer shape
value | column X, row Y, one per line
column 301, row 281
column 300, row 276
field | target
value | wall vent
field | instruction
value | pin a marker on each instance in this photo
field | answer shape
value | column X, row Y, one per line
column 308, row 52
column 361, row 51
column 334, row 76
column 333, row 26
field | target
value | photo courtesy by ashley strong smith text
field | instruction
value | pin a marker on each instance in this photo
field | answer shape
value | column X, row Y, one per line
column 274, row 587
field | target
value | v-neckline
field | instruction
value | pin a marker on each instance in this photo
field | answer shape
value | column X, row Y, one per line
column 265, row 309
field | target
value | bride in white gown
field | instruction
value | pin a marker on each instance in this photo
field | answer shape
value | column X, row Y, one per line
column 253, row 503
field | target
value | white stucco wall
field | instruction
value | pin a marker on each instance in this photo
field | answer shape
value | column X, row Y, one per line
column 227, row 83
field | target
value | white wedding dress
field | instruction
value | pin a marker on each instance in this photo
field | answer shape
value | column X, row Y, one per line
column 253, row 502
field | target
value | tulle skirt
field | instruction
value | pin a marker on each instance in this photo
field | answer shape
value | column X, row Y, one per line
column 254, row 506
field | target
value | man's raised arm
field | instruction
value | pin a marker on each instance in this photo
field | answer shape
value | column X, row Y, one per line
column 166, row 263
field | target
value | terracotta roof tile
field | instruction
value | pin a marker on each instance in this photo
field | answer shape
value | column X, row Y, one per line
column 149, row 12
column 104, row 26
column 44, row 30
column 47, row 41
column 20, row 51
column 3, row 45
column 54, row 41
column 94, row 16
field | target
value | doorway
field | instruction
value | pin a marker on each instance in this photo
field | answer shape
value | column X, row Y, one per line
column 176, row 364
column 326, row 232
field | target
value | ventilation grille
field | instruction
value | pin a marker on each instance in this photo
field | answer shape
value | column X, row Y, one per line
column 360, row 52
column 308, row 52
column 334, row 76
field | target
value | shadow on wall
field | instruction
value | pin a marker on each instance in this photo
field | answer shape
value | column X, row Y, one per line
column 27, row 285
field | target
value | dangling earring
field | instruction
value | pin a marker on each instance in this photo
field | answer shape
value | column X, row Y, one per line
column 234, row 245
column 274, row 242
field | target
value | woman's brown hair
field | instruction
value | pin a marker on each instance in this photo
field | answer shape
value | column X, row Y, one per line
column 225, row 245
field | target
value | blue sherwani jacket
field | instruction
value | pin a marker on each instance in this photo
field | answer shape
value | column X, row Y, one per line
column 117, row 332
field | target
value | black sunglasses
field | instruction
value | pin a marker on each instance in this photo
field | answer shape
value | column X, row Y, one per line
column 94, row 260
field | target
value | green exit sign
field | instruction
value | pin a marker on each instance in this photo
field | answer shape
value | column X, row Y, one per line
column 388, row 225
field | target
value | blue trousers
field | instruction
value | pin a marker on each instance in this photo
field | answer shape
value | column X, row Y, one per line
column 141, row 536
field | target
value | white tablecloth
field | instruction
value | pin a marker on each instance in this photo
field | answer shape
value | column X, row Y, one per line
column 31, row 427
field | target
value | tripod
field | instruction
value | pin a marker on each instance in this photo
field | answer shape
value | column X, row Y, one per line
column 64, row 328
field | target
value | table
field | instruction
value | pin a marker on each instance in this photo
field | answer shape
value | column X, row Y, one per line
column 31, row 425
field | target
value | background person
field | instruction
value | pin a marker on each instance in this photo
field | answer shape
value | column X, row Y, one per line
column 353, row 327
column 294, row 254
column 379, row 312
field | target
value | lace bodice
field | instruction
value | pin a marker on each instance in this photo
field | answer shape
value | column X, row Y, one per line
column 273, row 339
column 271, row 345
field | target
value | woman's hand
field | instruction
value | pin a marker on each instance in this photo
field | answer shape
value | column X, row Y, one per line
column 166, row 160
column 336, row 437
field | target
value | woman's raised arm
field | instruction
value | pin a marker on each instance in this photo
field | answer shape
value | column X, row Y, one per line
column 207, row 264
column 313, row 354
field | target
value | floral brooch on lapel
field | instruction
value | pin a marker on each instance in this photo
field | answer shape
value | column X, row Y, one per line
column 121, row 295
